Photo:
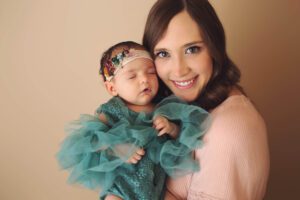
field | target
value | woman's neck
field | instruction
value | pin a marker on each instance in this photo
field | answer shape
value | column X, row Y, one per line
column 234, row 91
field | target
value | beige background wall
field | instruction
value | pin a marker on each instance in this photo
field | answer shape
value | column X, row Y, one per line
column 49, row 52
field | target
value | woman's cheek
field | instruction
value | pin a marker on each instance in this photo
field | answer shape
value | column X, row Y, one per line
column 161, row 70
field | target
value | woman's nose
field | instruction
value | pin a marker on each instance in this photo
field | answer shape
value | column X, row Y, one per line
column 179, row 68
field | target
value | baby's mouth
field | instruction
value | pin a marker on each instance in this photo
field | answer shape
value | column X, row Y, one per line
column 146, row 91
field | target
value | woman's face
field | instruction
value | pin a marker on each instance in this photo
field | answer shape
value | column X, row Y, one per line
column 182, row 58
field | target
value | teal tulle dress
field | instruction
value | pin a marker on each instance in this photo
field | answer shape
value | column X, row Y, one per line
column 96, row 153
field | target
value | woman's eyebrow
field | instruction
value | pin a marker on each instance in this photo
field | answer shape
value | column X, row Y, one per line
column 193, row 43
column 160, row 49
column 185, row 45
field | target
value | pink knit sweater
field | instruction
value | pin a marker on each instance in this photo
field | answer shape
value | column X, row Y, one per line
column 234, row 161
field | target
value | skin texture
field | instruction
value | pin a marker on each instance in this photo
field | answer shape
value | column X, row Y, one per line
column 183, row 63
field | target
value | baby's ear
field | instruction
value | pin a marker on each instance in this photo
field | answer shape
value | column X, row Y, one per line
column 110, row 87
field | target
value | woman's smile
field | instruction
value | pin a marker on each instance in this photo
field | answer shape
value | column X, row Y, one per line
column 185, row 84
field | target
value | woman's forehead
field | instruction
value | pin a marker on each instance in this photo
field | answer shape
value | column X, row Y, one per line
column 181, row 30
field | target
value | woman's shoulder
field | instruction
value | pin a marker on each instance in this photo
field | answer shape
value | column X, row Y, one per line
column 237, row 118
column 235, row 151
column 238, row 131
column 237, row 107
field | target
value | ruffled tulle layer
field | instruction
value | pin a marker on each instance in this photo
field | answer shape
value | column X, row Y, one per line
column 96, row 153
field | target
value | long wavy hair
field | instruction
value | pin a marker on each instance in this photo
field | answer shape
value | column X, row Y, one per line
column 225, row 74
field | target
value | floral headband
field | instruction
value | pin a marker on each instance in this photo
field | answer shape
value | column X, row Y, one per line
column 113, row 65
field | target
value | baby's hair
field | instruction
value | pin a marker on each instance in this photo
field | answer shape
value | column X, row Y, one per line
column 119, row 47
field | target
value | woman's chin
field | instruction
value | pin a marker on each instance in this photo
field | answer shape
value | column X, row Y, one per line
column 188, row 97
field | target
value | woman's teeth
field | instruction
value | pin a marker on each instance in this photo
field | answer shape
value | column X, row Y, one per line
column 184, row 83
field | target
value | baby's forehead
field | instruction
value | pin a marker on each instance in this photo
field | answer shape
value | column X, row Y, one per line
column 139, row 64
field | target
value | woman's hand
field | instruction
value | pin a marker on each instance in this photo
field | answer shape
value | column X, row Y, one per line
column 164, row 126
column 136, row 157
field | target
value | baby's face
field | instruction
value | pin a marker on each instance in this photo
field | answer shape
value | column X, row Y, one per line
column 137, row 82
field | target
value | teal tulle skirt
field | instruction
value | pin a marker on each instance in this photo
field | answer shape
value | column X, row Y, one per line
column 96, row 153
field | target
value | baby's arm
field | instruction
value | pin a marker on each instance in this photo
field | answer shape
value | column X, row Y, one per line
column 164, row 126
column 137, row 156
column 102, row 118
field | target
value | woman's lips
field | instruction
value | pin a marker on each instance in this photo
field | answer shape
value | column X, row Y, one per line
column 186, row 84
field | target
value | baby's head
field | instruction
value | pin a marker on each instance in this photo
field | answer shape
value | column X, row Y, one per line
column 128, row 72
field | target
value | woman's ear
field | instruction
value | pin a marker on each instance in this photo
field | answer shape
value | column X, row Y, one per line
column 111, row 88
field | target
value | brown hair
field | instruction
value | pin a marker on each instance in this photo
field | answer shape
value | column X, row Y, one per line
column 225, row 75
column 107, row 55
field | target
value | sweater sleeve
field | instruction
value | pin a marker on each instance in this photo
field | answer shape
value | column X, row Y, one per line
column 234, row 161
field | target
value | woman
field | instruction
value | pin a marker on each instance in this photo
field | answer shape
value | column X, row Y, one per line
column 187, row 41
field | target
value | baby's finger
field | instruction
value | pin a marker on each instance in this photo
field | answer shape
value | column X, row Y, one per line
column 137, row 157
column 140, row 152
column 132, row 160
column 163, row 131
column 157, row 120
column 159, row 126
column 155, row 123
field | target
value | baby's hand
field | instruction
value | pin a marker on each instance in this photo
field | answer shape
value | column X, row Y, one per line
column 163, row 125
column 136, row 157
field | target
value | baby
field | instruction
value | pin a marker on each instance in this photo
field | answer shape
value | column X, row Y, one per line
column 131, row 144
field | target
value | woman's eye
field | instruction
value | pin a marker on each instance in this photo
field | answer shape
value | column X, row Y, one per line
column 162, row 54
column 191, row 50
